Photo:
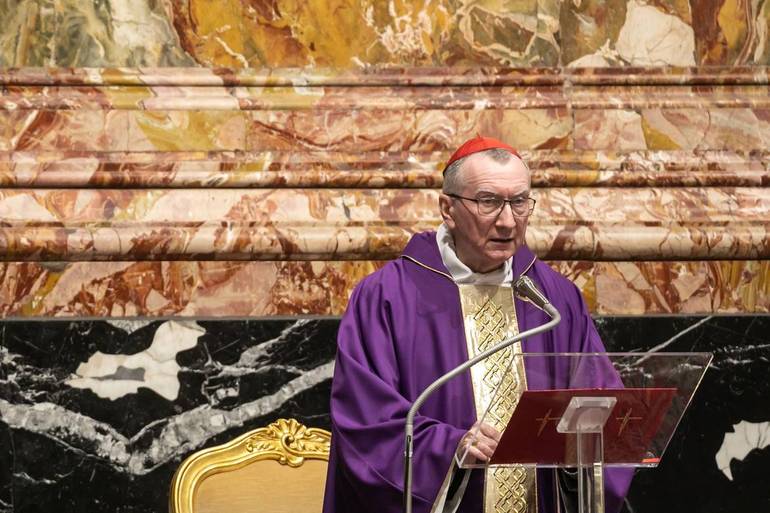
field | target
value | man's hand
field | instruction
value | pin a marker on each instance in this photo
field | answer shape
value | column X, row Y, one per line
column 482, row 446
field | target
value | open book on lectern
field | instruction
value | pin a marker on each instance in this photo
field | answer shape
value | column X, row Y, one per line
column 533, row 437
column 635, row 400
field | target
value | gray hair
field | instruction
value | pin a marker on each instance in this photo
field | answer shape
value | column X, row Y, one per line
column 452, row 180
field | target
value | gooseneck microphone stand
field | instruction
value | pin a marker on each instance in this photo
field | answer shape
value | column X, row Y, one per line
column 523, row 287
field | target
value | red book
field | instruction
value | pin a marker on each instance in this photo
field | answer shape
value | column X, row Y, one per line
column 531, row 436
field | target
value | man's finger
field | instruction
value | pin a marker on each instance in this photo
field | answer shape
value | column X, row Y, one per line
column 488, row 448
column 489, row 431
column 476, row 453
column 485, row 445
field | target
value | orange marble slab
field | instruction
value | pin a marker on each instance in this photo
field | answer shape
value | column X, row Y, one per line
column 86, row 130
column 192, row 192
column 259, row 289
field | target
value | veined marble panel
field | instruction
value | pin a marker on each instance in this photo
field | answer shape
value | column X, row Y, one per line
column 663, row 33
column 384, row 76
column 414, row 131
column 736, row 129
column 230, row 33
column 301, row 78
column 562, row 111
column 276, row 224
column 264, row 289
column 682, row 287
column 279, row 130
column 94, row 417
column 362, row 33
column 131, row 399
column 88, row 130
column 355, row 207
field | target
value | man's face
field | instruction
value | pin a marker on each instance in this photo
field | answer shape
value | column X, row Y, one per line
column 485, row 243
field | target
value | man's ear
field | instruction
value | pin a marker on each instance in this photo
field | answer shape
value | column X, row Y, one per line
column 445, row 205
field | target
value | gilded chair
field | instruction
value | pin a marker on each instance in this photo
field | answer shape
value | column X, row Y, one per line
column 277, row 469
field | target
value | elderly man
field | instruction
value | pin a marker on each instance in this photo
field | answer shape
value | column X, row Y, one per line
column 425, row 313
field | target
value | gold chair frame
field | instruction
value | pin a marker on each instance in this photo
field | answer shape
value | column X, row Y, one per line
column 285, row 440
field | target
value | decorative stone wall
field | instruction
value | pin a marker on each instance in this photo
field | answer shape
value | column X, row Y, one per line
column 97, row 415
column 348, row 34
column 189, row 190
column 209, row 198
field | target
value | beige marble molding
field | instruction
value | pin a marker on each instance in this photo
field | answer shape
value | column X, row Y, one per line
column 557, row 113
column 385, row 76
column 330, row 224
column 298, row 169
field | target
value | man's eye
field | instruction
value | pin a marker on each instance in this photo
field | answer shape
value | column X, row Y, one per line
column 518, row 202
column 489, row 202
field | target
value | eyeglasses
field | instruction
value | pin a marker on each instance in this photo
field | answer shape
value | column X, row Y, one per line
column 491, row 206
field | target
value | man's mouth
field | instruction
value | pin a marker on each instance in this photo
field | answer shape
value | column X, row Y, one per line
column 502, row 240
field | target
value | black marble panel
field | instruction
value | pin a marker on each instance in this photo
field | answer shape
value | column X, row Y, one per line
column 106, row 436
column 730, row 412
column 69, row 449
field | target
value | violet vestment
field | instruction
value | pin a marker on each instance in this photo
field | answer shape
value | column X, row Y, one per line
column 403, row 328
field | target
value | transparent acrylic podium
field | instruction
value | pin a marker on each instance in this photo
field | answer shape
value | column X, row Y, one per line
column 587, row 411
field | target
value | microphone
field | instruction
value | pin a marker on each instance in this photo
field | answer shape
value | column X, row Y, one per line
column 525, row 288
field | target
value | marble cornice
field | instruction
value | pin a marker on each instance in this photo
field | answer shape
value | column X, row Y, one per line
column 387, row 76
column 410, row 89
column 323, row 98
column 346, row 224
column 365, row 170
column 245, row 241
column 165, row 164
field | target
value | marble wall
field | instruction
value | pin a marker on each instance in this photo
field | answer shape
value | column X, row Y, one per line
column 356, row 33
column 189, row 190
column 201, row 192
column 97, row 414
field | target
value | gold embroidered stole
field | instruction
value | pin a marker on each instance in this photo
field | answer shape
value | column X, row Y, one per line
column 490, row 317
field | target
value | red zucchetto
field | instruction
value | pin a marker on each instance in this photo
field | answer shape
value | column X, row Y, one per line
column 476, row 145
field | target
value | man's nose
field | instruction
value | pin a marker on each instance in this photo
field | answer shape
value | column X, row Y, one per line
column 506, row 217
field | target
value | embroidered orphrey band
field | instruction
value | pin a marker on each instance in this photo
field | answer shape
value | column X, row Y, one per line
column 490, row 317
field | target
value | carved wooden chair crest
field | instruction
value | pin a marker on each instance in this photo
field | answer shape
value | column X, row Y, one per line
column 277, row 469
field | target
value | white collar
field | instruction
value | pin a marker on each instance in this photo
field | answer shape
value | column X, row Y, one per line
column 460, row 272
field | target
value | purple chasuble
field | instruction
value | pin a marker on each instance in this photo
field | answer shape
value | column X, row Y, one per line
column 403, row 328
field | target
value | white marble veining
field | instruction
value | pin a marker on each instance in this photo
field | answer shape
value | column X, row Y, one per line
column 128, row 325
column 650, row 37
column 745, row 437
column 112, row 376
column 179, row 435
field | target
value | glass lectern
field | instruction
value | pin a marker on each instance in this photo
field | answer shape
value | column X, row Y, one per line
column 588, row 411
